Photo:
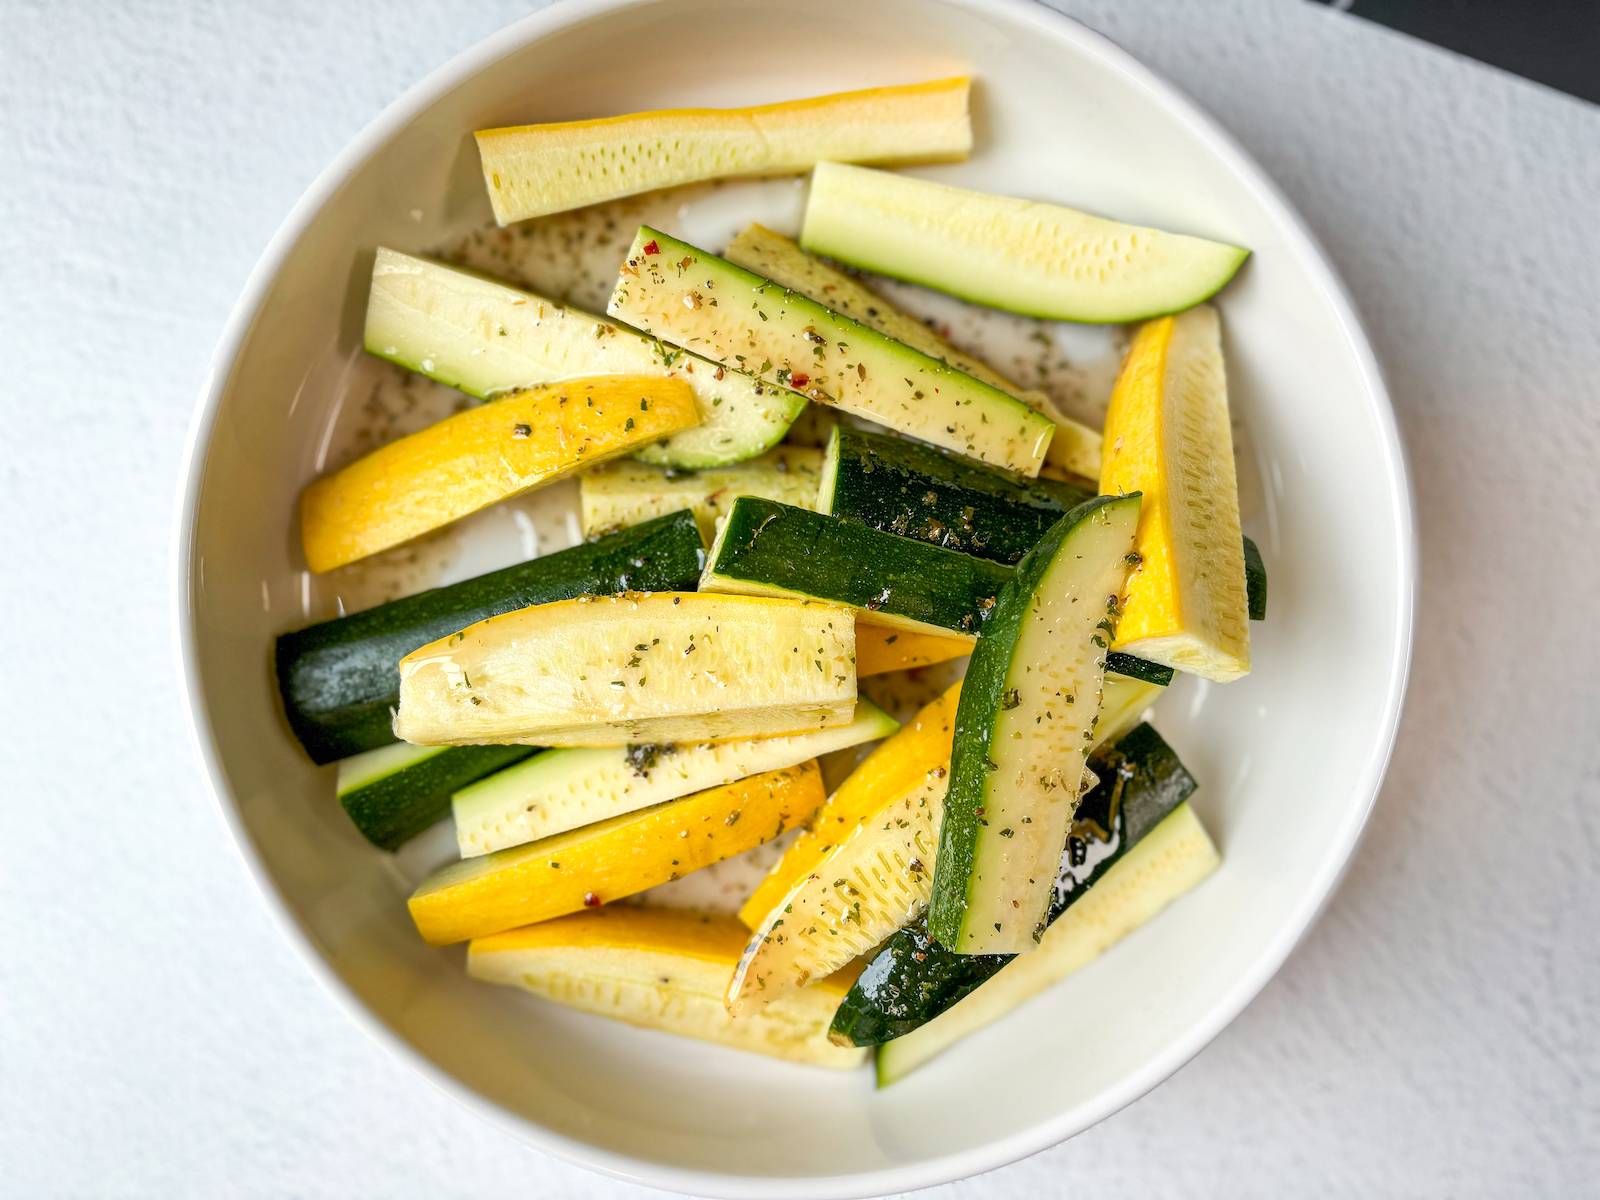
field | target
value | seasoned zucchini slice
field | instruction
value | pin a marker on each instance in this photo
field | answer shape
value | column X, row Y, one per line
column 1027, row 719
column 864, row 889
column 902, row 487
column 706, row 304
column 1075, row 448
column 564, row 789
column 770, row 549
column 1039, row 259
column 488, row 338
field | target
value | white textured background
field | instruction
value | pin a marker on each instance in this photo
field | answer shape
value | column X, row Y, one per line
column 1437, row 1034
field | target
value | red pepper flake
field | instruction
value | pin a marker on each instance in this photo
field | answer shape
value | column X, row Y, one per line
column 650, row 247
column 590, row 900
column 799, row 380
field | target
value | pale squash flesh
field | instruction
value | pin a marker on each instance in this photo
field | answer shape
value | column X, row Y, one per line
column 1186, row 604
column 896, row 767
column 884, row 648
column 586, row 867
column 481, row 456
column 531, row 170
column 1075, row 448
column 663, row 969
column 873, row 883
column 613, row 670
column 626, row 493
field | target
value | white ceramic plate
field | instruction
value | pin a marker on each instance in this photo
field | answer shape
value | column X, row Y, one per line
column 1290, row 759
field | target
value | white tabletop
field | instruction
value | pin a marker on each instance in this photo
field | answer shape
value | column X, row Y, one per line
column 1436, row 1034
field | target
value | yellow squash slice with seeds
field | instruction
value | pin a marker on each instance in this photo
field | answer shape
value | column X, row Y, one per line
column 873, row 883
column 586, row 867
column 637, row 668
column 666, row 969
column 481, row 456
column 1168, row 436
column 893, row 769
column 531, row 170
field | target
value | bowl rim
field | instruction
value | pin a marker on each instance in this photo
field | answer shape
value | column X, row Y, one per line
column 904, row 1177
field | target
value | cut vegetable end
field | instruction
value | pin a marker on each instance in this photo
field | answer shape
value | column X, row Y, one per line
column 900, row 487
column 482, row 456
column 711, row 668
column 1171, row 860
column 567, row 789
column 1168, row 435
column 1074, row 448
column 612, row 859
column 1041, row 260
column 532, row 170
column 688, row 296
column 660, row 969
column 393, row 793
column 1028, row 713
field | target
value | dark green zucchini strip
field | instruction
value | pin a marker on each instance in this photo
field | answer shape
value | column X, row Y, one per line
column 1255, row 581
column 913, row 978
column 340, row 679
column 767, row 548
column 395, row 807
column 916, row 491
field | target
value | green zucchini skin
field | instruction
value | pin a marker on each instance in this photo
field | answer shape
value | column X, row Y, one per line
column 340, row 679
column 916, row 491
column 964, row 837
column 767, row 545
column 913, row 978
column 394, row 809
column 1118, row 663
column 1255, row 581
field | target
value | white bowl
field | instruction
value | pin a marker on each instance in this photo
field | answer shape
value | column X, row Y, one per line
column 1290, row 759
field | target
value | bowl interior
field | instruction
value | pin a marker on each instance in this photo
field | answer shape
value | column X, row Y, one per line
column 1289, row 759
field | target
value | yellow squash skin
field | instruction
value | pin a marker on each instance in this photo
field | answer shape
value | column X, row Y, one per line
column 481, row 456
column 877, row 880
column 586, row 867
column 640, row 667
column 1168, row 435
column 888, row 773
column 883, row 648
column 531, row 170
column 665, row 969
